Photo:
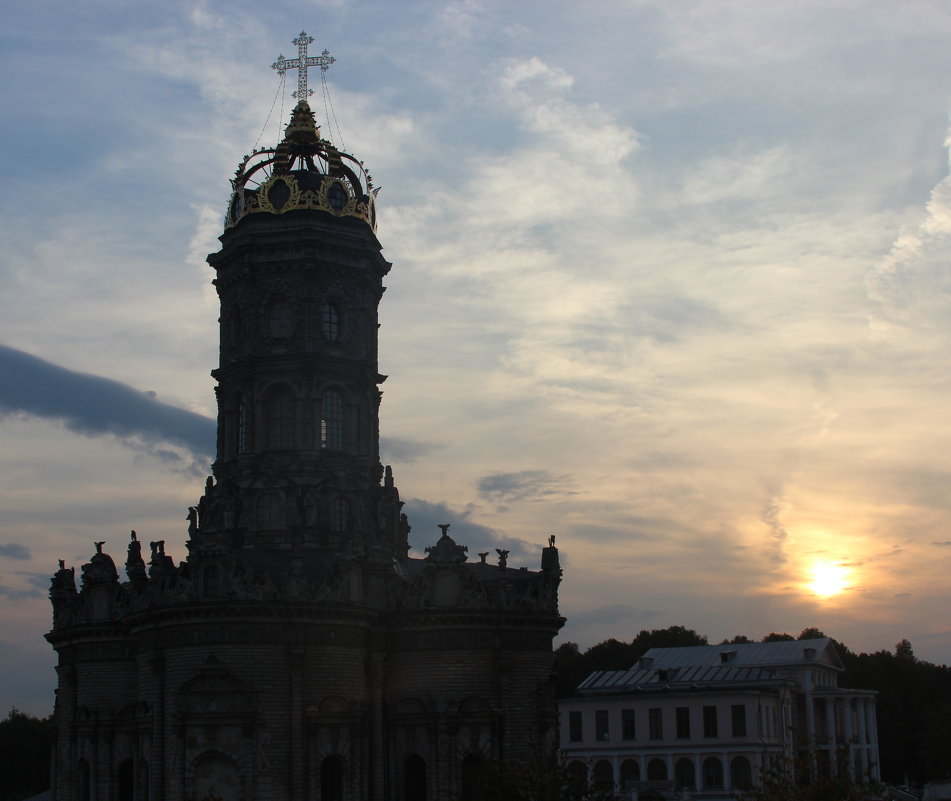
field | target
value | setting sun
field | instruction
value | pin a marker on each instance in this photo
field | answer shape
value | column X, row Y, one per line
column 828, row 578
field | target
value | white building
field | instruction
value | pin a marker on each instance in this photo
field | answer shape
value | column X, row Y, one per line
column 710, row 719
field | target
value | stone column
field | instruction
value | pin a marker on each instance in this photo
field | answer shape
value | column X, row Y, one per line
column 873, row 731
column 847, row 723
column 830, row 729
column 862, row 738
column 697, row 772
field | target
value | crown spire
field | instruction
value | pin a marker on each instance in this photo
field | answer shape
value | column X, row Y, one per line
column 301, row 63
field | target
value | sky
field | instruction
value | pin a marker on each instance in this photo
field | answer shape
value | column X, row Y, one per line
column 670, row 282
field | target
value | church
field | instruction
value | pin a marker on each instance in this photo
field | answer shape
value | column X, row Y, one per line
column 299, row 653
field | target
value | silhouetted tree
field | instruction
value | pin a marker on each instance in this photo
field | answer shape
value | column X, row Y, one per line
column 776, row 637
column 25, row 746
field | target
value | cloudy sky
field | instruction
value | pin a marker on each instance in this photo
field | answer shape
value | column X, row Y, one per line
column 671, row 281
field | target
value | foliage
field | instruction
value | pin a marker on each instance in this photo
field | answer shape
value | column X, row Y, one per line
column 572, row 666
column 547, row 780
column 778, row 785
column 25, row 746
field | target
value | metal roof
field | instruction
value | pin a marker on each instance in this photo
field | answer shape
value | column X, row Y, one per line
column 705, row 665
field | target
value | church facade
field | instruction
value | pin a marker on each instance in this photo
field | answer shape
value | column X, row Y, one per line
column 299, row 652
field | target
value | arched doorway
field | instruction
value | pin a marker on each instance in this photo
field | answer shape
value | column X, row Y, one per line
column 684, row 774
column 331, row 778
column 414, row 778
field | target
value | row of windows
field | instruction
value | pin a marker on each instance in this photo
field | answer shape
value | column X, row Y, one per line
column 712, row 773
column 282, row 322
column 279, row 423
column 655, row 723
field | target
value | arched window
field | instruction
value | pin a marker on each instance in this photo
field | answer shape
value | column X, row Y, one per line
column 578, row 775
column 741, row 773
column 414, row 778
column 330, row 322
column 270, row 511
column 280, row 319
column 280, row 420
column 331, row 779
column 603, row 776
column 331, row 421
column 712, row 773
column 684, row 774
column 630, row 773
column 657, row 770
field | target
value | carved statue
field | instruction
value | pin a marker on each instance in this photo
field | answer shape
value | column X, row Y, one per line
column 192, row 518
column 551, row 540
column 482, row 556
column 503, row 557
column 62, row 564
column 99, row 546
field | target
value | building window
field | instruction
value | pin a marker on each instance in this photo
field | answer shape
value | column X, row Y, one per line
column 655, row 723
column 738, row 719
column 339, row 515
column 331, row 777
column 280, row 319
column 244, row 426
column 280, row 421
column 331, row 422
column 575, row 732
column 712, row 773
column 710, row 721
column 683, row 722
column 630, row 773
column 330, row 322
column 602, row 777
column 741, row 773
column 414, row 778
column 657, row 770
column 684, row 774
column 628, row 729
column 601, row 724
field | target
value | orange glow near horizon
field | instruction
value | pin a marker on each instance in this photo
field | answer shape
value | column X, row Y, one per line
column 828, row 579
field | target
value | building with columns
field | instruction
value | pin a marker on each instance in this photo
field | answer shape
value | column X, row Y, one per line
column 710, row 720
column 299, row 652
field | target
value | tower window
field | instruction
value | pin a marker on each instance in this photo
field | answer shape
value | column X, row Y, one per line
column 280, row 319
column 339, row 515
column 331, row 422
column 330, row 319
column 337, row 196
column 280, row 421
column 244, row 427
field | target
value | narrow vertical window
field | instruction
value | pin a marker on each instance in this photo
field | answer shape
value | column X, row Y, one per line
column 601, row 724
column 655, row 724
column 331, row 422
column 280, row 319
column 575, row 732
column 628, row 728
column 244, row 426
column 738, row 719
column 280, row 421
column 710, row 721
column 339, row 515
column 330, row 321
column 683, row 721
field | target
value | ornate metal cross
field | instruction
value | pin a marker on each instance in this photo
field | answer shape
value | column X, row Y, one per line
column 301, row 63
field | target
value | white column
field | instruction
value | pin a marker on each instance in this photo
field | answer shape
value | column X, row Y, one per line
column 697, row 772
column 862, row 737
column 873, row 731
column 727, row 778
column 830, row 729
column 847, row 723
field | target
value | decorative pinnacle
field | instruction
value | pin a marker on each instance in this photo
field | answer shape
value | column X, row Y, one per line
column 301, row 63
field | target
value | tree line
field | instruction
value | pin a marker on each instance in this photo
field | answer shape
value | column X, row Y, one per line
column 913, row 705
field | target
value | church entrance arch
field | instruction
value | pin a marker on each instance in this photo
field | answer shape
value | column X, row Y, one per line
column 331, row 778
column 414, row 778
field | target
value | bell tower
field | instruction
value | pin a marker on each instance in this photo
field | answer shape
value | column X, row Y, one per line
column 299, row 277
